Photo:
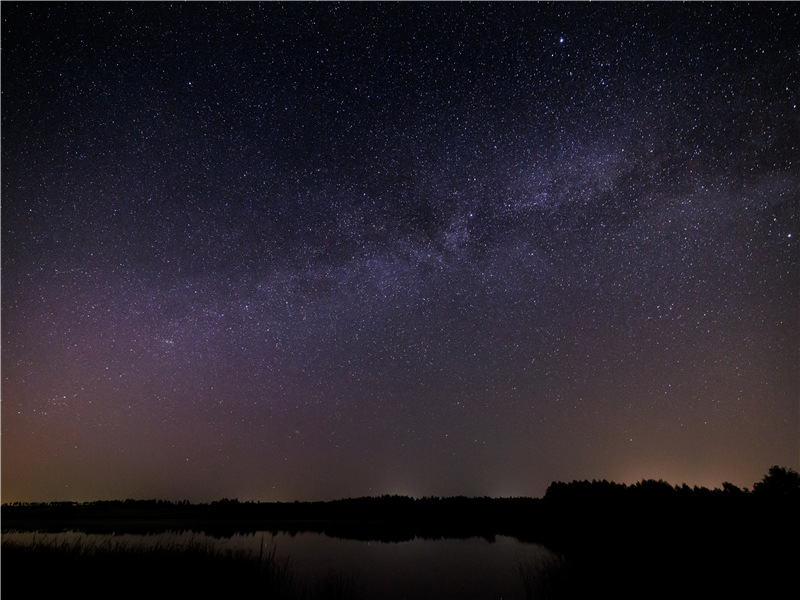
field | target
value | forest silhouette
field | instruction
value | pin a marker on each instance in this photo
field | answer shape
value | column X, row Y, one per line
column 665, row 539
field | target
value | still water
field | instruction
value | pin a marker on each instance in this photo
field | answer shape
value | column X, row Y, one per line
column 473, row 568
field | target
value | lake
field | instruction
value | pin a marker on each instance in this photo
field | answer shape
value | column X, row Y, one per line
column 473, row 568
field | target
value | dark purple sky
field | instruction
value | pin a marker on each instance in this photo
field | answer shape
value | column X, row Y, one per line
column 310, row 251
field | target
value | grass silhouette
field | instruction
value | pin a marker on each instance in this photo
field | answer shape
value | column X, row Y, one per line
column 550, row 577
column 165, row 570
column 626, row 541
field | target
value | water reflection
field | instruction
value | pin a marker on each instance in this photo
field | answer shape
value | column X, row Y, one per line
column 472, row 568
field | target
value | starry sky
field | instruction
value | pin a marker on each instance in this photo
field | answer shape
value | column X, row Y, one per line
column 311, row 251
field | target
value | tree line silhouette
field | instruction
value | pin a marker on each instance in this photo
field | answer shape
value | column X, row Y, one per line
column 577, row 506
column 648, row 539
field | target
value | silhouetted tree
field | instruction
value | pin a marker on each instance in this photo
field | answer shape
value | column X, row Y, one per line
column 779, row 482
column 730, row 488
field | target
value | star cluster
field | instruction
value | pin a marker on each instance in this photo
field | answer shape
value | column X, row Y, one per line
column 305, row 251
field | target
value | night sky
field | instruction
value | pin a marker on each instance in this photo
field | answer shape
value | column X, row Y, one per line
column 312, row 251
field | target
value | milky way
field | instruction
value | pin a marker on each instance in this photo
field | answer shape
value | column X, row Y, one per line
column 310, row 251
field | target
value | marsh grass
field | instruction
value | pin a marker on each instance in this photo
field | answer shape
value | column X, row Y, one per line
column 548, row 577
column 334, row 586
column 119, row 569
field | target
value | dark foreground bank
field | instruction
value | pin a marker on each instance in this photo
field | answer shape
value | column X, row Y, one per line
column 51, row 570
column 645, row 540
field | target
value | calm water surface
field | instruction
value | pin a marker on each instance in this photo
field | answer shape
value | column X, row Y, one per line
column 473, row 568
